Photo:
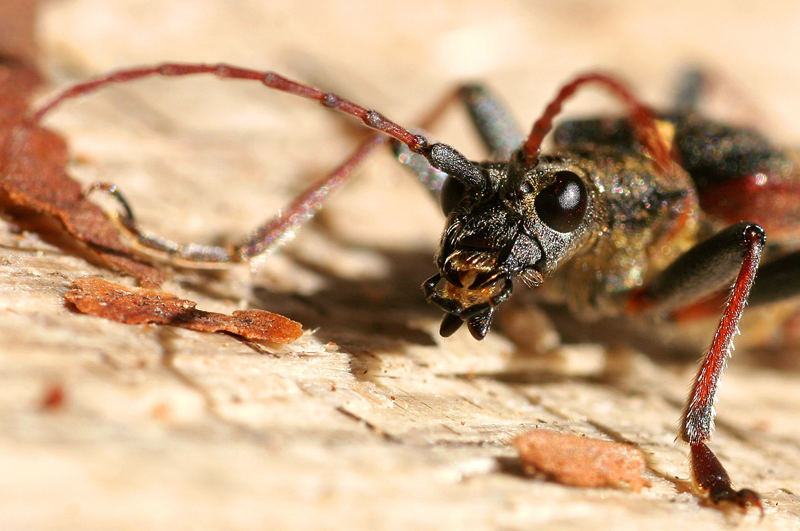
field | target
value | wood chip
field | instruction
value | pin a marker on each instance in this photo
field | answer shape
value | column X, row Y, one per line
column 581, row 461
column 116, row 302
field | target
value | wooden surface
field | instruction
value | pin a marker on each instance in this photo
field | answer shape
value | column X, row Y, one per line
column 370, row 420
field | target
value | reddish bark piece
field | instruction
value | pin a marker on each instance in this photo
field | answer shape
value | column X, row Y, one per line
column 32, row 159
column 32, row 176
column 581, row 461
column 116, row 302
column 17, row 84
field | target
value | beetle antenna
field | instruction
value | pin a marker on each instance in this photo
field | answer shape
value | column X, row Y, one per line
column 272, row 80
column 441, row 156
column 640, row 116
column 449, row 160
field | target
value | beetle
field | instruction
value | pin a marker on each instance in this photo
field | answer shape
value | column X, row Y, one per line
column 647, row 214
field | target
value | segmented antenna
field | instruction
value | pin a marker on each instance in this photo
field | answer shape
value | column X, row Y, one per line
column 641, row 119
column 272, row 80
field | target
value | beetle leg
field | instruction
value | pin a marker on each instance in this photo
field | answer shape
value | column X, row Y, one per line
column 265, row 238
column 778, row 280
column 698, row 418
column 692, row 83
column 499, row 132
column 733, row 253
column 281, row 228
column 706, row 268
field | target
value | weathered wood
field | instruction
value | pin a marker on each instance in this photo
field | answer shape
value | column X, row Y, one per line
column 370, row 421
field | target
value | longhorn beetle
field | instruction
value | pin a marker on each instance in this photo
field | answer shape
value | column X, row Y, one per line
column 654, row 213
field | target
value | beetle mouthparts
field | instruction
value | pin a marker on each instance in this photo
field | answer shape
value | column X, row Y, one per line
column 473, row 306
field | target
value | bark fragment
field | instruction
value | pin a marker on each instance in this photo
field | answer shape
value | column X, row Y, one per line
column 123, row 304
column 581, row 461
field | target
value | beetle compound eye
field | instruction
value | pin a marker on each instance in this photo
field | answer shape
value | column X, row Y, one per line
column 561, row 205
column 452, row 193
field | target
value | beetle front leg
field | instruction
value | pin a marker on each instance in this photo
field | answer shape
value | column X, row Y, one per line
column 265, row 238
column 737, row 247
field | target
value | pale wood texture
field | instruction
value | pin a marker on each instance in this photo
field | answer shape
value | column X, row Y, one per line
column 369, row 420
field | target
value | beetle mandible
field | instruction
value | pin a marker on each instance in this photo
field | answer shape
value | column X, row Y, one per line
column 653, row 213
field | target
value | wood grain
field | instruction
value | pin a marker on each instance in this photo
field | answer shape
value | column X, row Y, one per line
column 371, row 421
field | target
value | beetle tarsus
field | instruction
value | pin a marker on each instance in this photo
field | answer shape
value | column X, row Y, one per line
column 712, row 478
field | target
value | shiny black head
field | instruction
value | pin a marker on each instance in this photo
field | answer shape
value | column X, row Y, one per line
column 505, row 221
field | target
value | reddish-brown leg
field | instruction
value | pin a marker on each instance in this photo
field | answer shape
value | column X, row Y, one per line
column 265, row 238
column 731, row 254
column 698, row 417
column 710, row 476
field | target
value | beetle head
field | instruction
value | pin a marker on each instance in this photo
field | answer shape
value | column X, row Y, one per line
column 505, row 221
